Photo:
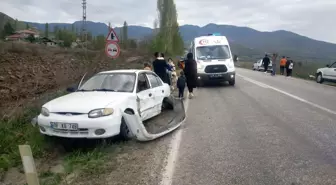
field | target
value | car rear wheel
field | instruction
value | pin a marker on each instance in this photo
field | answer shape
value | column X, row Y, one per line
column 319, row 78
column 167, row 103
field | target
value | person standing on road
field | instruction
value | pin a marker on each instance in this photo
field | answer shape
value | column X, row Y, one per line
column 289, row 67
column 181, row 81
column 266, row 62
column 274, row 58
column 283, row 62
column 190, row 71
column 173, row 76
column 160, row 67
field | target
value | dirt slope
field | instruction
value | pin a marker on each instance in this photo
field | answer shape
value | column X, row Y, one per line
column 29, row 70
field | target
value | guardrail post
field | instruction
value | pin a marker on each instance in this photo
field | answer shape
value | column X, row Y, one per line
column 29, row 165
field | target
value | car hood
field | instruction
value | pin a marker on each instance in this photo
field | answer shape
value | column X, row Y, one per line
column 84, row 102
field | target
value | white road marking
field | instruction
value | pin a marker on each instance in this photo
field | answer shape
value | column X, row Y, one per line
column 167, row 176
column 288, row 94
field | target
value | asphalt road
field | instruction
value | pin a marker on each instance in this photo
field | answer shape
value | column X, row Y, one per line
column 265, row 130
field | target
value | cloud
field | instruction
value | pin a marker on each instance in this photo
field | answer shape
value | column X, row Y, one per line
column 307, row 17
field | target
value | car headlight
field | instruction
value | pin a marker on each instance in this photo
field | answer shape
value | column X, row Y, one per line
column 45, row 112
column 96, row 113
column 231, row 64
column 199, row 66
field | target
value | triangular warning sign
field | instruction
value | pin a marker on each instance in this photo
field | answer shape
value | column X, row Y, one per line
column 112, row 36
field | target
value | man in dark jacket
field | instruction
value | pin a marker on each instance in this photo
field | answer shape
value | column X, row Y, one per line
column 160, row 67
column 266, row 61
column 190, row 71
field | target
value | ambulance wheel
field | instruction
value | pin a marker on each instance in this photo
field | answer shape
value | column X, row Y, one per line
column 232, row 82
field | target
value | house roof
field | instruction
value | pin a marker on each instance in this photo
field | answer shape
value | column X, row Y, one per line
column 27, row 31
column 15, row 36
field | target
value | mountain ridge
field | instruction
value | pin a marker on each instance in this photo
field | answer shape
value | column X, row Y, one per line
column 244, row 41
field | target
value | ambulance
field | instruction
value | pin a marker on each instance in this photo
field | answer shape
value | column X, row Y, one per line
column 214, row 59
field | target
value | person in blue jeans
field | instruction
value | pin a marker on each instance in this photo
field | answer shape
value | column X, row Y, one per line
column 274, row 58
column 181, row 83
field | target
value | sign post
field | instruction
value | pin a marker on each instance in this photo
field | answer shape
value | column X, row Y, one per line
column 112, row 48
column 29, row 165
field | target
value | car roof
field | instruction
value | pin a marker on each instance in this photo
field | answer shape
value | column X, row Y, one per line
column 125, row 71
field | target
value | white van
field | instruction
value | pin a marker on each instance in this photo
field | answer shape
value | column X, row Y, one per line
column 214, row 59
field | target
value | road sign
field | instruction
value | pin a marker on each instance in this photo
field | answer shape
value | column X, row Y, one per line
column 112, row 49
column 112, row 36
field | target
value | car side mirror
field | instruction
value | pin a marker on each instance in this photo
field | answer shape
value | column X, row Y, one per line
column 327, row 65
column 71, row 89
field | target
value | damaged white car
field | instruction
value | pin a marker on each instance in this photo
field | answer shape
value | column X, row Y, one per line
column 97, row 108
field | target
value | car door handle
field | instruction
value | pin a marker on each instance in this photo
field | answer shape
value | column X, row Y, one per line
column 162, row 91
column 150, row 95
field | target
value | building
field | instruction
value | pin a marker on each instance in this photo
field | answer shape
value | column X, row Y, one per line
column 23, row 34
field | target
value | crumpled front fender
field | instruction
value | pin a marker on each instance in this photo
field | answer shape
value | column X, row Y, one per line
column 139, row 131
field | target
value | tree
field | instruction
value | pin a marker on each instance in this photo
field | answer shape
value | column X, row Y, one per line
column 99, row 42
column 132, row 44
column 15, row 24
column 55, row 30
column 46, row 30
column 31, row 38
column 73, row 28
column 167, row 38
column 27, row 26
column 125, row 35
column 8, row 29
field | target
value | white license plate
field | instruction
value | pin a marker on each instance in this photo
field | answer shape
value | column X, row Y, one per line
column 64, row 126
column 216, row 75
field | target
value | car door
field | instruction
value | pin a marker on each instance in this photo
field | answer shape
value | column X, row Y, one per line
column 330, row 73
column 145, row 98
column 158, row 89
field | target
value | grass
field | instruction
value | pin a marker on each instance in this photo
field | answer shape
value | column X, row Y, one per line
column 19, row 130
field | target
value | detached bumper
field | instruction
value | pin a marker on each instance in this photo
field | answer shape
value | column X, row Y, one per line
column 216, row 77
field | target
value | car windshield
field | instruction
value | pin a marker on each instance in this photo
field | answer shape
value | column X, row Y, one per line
column 115, row 82
column 213, row 52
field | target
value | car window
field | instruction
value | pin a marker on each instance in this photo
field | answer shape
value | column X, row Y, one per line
column 142, row 83
column 333, row 65
column 153, row 81
column 159, row 80
column 118, row 82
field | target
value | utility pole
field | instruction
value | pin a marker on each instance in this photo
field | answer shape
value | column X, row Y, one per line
column 84, row 31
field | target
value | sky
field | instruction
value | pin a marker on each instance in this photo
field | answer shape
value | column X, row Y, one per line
column 312, row 18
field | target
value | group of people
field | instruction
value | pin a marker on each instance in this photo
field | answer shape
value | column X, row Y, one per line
column 285, row 64
column 167, row 72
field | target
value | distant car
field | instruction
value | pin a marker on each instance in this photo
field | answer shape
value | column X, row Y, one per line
column 327, row 73
column 96, row 108
column 260, row 67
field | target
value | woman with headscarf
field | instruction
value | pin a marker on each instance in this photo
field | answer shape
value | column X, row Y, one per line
column 190, row 72
column 160, row 67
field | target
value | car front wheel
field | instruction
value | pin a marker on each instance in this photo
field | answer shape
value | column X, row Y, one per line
column 319, row 78
column 125, row 132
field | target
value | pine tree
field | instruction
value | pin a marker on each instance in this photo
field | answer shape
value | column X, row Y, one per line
column 168, row 39
column 46, row 30
column 125, row 34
